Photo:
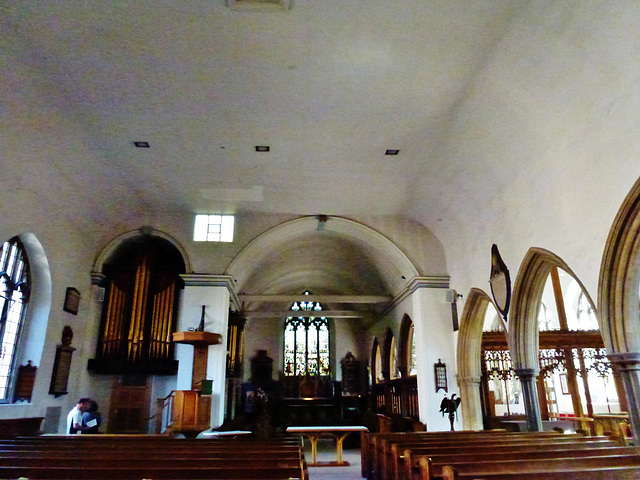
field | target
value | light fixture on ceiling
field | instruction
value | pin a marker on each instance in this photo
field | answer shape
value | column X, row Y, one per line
column 262, row 148
column 322, row 220
column 260, row 5
column 142, row 144
column 392, row 151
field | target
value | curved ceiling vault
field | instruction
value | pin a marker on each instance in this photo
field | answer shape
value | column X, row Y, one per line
column 338, row 257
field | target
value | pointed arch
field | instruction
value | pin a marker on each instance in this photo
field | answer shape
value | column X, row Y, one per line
column 619, row 279
column 468, row 357
column 527, row 294
column 618, row 302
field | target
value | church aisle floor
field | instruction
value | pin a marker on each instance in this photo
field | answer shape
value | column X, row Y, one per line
column 327, row 452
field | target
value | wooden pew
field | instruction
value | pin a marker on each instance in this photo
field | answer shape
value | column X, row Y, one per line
column 375, row 444
column 408, row 462
column 387, row 452
column 369, row 440
column 87, row 472
column 151, row 457
column 544, row 468
column 437, row 462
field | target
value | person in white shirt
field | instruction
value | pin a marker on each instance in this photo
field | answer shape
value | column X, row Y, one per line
column 74, row 419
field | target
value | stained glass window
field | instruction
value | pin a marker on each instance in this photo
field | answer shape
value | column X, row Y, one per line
column 306, row 341
column 14, row 295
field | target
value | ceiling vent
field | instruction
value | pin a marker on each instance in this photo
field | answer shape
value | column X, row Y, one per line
column 260, row 5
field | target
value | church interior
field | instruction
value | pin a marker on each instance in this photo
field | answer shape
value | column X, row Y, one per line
column 179, row 246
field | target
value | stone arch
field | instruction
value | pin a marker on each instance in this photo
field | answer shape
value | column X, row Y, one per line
column 523, row 334
column 35, row 327
column 394, row 266
column 111, row 248
column 527, row 294
column 618, row 300
column 468, row 358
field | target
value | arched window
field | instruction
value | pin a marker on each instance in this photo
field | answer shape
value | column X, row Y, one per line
column 306, row 341
column 407, row 359
column 376, row 363
column 14, row 296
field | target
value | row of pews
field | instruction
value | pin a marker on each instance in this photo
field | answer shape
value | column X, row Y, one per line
column 497, row 455
column 151, row 457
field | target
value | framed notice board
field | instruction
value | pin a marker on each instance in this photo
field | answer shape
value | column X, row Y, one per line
column 440, row 370
column 61, row 367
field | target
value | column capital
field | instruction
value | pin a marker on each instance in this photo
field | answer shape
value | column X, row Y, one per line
column 213, row 280
column 468, row 380
column 625, row 360
column 527, row 373
column 99, row 279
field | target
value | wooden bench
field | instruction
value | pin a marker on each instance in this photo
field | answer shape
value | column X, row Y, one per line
column 372, row 442
column 436, row 462
column 386, row 452
column 407, row 466
column 407, row 461
column 369, row 441
column 151, row 457
column 606, row 467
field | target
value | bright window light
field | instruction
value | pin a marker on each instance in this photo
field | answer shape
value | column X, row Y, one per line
column 213, row 228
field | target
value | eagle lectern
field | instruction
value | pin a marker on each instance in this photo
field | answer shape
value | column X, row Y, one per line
column 191, row 412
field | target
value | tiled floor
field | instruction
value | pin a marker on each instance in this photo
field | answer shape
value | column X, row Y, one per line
column 327, row 452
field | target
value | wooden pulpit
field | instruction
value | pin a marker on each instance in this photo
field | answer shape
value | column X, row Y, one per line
column 200, row 341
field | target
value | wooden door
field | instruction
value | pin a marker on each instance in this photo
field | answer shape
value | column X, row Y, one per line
column 129, row 412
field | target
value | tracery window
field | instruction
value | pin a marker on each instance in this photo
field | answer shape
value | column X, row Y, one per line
column 14, row 296
column 306, row 341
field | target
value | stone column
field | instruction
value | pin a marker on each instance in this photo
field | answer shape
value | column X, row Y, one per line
column 528, row 380
column 471, row 402
column 628, row 367
column 213, row 291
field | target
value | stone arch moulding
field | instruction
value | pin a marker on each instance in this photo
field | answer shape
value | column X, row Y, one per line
column 468, row 358
column 618, row 301
column 116, row 242
column 619, row 279
column 35, row 326
column 393, row 262
column 527, row 293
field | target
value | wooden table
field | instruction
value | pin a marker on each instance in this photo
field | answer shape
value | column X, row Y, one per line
column 338, row 432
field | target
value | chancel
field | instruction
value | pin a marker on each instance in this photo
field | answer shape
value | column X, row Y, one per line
column 258, row 215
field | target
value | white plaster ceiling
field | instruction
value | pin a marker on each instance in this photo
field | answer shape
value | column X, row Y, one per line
column 503, row 111
column 328, row 85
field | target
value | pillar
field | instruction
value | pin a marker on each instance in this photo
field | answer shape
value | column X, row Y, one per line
column 528, row 379
column 628, row 367
column 471, row 402
column 215, row 292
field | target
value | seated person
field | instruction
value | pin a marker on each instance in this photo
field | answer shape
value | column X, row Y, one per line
column 91, row 418
column 74, row 419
